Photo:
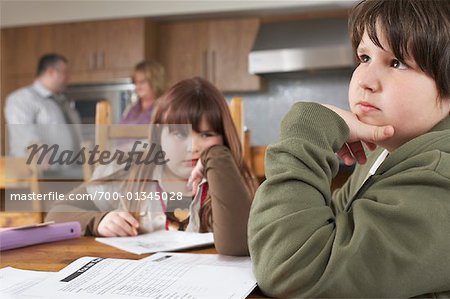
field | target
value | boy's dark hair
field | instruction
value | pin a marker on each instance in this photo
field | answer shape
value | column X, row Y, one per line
column 419, row 29
column 49, row 60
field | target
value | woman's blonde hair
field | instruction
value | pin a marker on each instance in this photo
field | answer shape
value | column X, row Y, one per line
column 155, row 75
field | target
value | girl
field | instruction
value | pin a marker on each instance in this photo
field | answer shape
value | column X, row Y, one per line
column 221, row 203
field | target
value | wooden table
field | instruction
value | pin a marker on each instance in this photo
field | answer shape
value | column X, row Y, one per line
column 55, row 256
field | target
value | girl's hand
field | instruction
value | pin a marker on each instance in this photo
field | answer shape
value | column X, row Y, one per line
column 196, row 176
column 352, row 151
column 118, row 224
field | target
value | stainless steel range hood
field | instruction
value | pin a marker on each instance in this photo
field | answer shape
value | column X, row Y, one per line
column 301, row 45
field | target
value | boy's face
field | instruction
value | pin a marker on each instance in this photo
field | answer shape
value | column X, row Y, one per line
column 384, row 91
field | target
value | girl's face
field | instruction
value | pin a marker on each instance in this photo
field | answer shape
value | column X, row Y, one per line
column 142, row 87
column 385, row 91
column 184, row 150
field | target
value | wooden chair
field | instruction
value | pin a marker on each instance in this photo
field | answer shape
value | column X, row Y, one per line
column 253, row 155
column 258, row 161
column 16, row 174
column 237, row 113
column 107, row 133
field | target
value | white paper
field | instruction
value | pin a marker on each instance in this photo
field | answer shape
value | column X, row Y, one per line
column 14, row 281
column 201, row 259
column 159, row 241
column 90, row 277
column 213, row 282
column 244, row 287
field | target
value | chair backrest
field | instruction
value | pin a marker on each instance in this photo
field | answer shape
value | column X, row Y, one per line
column 237, row 113
column 106, row 132
column 15, row 173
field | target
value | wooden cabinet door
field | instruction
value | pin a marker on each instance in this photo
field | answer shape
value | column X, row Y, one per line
column 78, row 43
column 182, row 50
column 101, row 50
column 230, row 42
column 22, row 47
column 215, row 50
column 121, row 44
column 17, row 50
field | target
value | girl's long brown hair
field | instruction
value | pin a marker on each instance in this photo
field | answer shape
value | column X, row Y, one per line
column 188, row 102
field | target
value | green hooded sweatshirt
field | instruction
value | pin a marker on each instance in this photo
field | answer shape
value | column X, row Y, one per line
column 386, row 237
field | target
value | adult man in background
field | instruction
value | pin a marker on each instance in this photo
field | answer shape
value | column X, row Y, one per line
column 40, row 113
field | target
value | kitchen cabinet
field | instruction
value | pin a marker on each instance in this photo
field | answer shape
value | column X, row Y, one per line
column 182, row 50
column 213, row 49
column 102, row 50
column 96, row 51
column 22, row 47
column 78, row 43
column 121, row 43
column 230, row 42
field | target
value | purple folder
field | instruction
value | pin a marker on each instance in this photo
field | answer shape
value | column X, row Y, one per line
column 30, row 235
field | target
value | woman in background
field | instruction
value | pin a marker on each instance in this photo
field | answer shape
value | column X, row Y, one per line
column 149, row 79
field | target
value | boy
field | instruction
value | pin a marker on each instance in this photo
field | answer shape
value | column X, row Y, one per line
column 386, row 233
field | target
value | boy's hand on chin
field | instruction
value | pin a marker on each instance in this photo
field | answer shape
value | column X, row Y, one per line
column 352, row 151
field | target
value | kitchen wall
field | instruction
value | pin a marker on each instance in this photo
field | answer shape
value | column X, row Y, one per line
column 265, row 110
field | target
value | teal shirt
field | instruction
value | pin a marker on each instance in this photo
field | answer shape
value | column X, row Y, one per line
column 388, row 238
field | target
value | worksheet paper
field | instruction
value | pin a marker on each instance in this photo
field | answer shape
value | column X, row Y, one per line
column 15, row 281
column 91, row 277
column 159, row 241
column 201, row 259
